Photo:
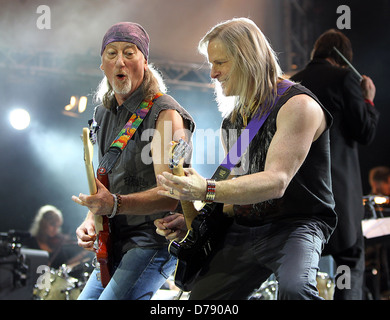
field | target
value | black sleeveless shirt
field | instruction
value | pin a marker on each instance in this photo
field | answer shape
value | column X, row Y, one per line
column 309, row 194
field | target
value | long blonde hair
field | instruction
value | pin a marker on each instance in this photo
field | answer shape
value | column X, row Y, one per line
column 46, row 212
column 255, row 66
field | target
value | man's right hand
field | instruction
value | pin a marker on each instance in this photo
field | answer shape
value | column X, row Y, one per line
column 171, row 227
column 86, row 234
column 368, row 88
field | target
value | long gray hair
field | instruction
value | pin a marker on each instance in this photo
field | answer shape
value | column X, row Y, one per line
column 152, row 84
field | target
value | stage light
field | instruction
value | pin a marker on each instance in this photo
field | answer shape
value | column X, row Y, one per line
column 70, row 109
column 19, row 119
column 381, row 200
column 71, row 104
column 83, row 104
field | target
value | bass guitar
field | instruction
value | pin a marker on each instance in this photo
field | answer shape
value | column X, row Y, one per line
column 102, row 230
column 206, row 229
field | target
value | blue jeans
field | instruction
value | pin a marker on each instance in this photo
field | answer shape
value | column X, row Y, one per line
column 140, row 273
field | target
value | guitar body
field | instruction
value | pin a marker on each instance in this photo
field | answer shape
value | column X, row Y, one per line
column 103, row 240
column 200, row 244
column 102, row 253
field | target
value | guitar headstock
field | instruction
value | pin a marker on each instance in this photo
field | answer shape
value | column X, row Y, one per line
column 179, row 150
column 88, row 147
column 93, row 129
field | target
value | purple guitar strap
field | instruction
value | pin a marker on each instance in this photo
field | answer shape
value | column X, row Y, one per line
column 246, row 137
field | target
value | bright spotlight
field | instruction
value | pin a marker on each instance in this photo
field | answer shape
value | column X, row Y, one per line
column 71, row 104
column 83, row 104
column 381, row 200
column 19, row 119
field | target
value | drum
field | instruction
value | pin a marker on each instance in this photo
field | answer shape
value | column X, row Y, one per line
column 81, row 271
column 325, row 286
column 62, row 287
column 267, row 291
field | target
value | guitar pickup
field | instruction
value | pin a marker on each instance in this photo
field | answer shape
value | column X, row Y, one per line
column 207, row 248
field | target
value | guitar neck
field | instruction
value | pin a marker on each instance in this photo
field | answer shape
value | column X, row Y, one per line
column 88, row 155
column 93, row 190
column 188, row 207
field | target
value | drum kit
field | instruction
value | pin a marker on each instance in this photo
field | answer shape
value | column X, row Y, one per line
column 66, row 282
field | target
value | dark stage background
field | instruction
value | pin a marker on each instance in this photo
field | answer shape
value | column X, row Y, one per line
column 41, row 69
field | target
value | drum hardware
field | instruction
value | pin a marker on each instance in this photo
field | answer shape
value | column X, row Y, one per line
column 267, row 291
column 62, row 286
column 10, row 248
column 81, row 271
column 374, row 206
column 325, row 286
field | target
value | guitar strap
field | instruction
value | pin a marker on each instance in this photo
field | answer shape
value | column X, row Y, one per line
column 119, row 144
column 247, row 135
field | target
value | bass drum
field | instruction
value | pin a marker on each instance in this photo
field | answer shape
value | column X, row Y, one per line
column 61, row 287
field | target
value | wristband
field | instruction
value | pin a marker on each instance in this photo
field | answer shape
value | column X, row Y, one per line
column 119, row 197
column 210, row 192
column 369, row 102
column 117, row 205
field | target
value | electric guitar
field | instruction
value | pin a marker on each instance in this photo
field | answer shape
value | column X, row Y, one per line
column 205, row 229
column 102, row 243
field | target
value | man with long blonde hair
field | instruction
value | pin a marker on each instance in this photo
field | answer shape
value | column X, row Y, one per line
column 283, row 209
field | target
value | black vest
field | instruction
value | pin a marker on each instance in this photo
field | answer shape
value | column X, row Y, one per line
column 309, row 194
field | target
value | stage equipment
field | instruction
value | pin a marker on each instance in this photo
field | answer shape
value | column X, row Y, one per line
column 18, row 266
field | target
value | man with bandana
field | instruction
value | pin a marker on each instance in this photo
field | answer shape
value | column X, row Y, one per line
column 141, row 262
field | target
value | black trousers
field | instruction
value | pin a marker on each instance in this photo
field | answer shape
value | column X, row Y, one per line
column 353, row 258
column 249, row 255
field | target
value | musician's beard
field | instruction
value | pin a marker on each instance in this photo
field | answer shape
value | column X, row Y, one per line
column 225, row 104
column 122, row 87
